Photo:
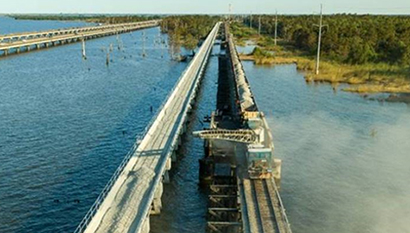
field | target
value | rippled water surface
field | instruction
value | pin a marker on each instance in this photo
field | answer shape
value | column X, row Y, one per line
column 67, row 123
column 345, row 159
column 9, row 25
column 185, row 205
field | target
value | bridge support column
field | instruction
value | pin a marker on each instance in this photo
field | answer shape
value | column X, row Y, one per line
column 179, row 139
column 168, row 165
column 18, row 50
column 157, row 203
column 165, row 178
column 28, row 48
column 174, row 156
column 6, row 52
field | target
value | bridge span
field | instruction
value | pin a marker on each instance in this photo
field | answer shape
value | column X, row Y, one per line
column 240, row 168
column 27, row 41
column 135, row 190
column 261, row 205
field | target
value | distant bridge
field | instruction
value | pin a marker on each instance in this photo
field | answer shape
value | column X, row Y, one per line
column 27, row 41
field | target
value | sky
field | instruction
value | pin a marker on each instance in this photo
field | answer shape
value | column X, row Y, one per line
column 205, row 6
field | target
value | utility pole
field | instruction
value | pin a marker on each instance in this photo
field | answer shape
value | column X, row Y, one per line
column 250, row 22
column 259, row 27
column 319, row 39
column 230, row 12
column 276, row 28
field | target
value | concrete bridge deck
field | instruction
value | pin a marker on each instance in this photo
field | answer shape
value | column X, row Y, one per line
column 136, row 188
column 29, row 40
column 261, row 206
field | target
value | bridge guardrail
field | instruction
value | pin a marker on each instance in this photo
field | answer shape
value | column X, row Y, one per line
column 183, row 113
column 94, row 208
column 72, row 30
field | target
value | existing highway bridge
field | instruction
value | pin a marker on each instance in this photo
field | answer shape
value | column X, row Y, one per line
column 134, row 192
column 25, row 42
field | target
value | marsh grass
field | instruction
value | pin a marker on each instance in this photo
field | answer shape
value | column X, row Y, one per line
column 365, row 78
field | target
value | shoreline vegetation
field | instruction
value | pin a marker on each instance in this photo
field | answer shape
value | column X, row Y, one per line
column 366, row 78
column 89, row 18
column 371, row 54
column 186, row 31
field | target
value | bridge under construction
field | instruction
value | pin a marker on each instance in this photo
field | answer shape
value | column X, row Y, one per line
column 239, row 169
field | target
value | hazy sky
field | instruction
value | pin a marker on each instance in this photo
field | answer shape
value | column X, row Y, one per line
column 204, row 6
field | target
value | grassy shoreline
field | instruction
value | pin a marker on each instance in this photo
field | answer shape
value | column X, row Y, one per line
column 366, row 78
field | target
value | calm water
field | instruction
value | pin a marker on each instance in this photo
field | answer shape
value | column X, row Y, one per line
column 345, row 159
column 9, row 25
column 66, row 124
column 185, row 205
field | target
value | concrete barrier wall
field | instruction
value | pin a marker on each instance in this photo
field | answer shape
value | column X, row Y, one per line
column 177, row 106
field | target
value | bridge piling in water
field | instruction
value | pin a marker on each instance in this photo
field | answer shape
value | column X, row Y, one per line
column 232, row 137
column 135, row 190
column 237, row 201
column 65, row 36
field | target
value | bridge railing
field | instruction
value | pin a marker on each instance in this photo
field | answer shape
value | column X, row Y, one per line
column 282, row 210
column 94, row 208
column 69, row 37
column 196, row 68
column 10, row 37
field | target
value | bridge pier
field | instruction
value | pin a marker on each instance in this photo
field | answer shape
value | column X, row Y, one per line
column 156, row 205
column 174, row 156
column 158, row 143
column 165, row 178
column 168, row 166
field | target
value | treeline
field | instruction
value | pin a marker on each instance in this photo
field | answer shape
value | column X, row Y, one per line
column 105, row 19
column 353, row 39
column 188, row 30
